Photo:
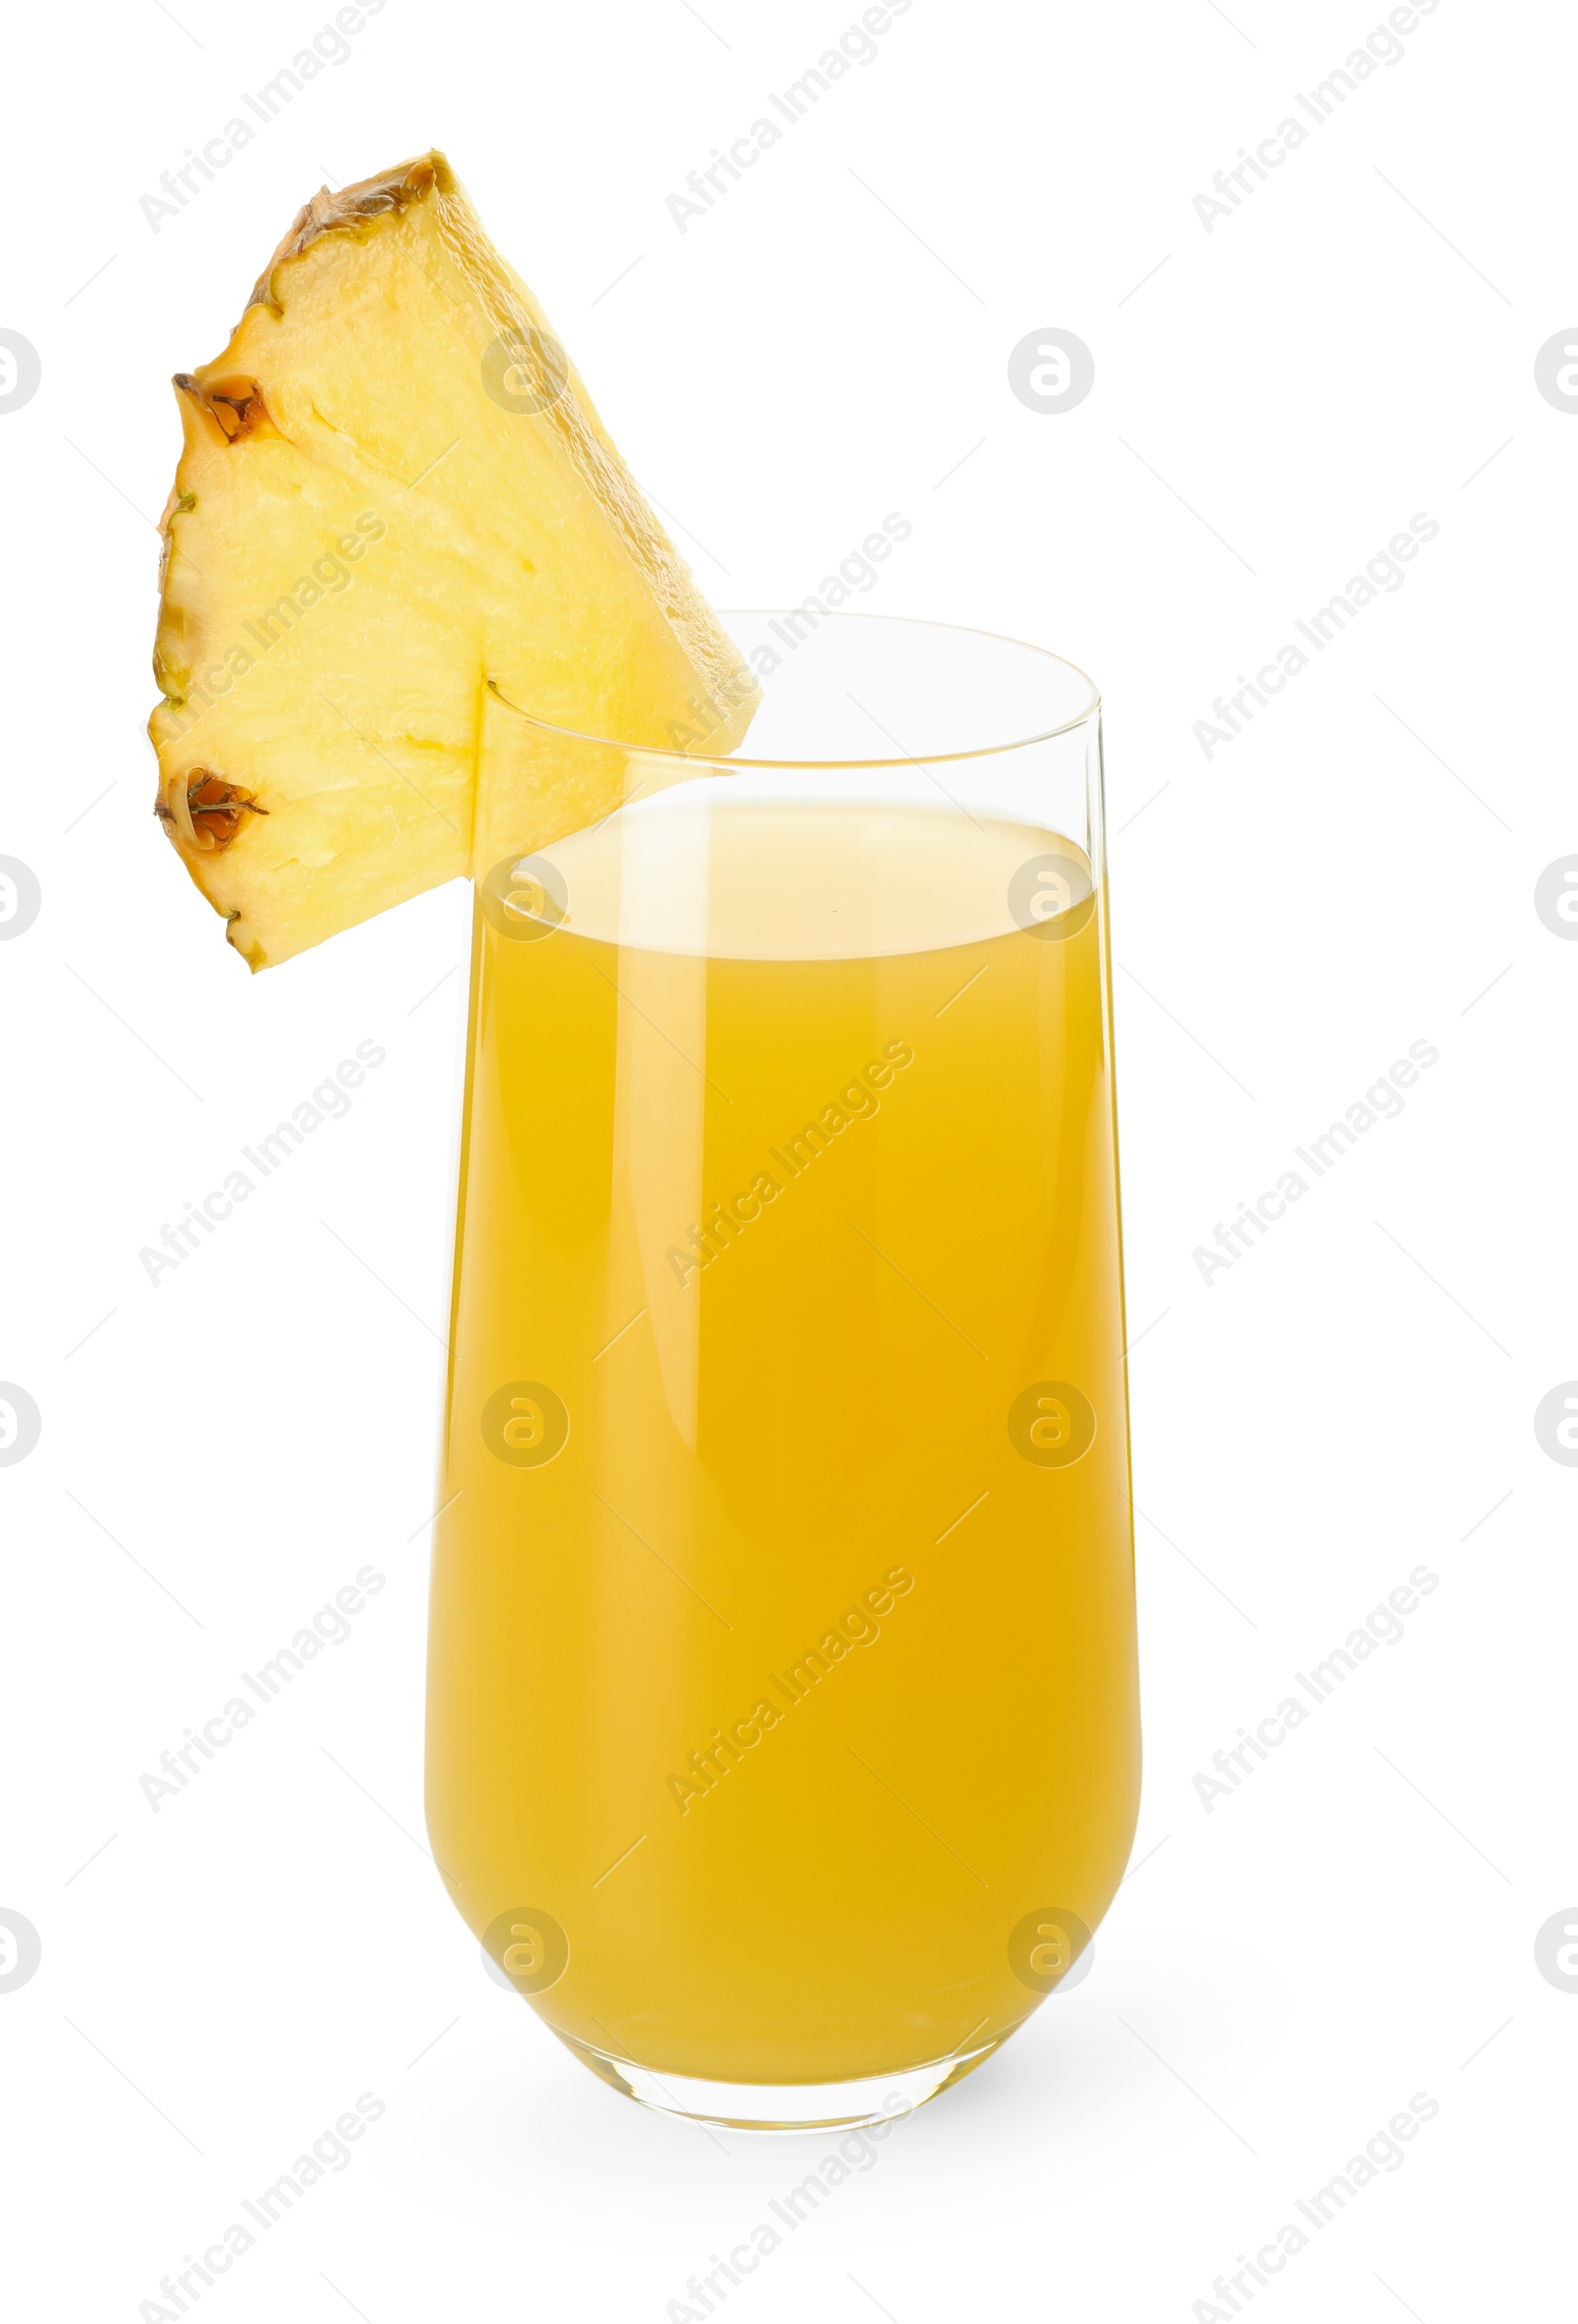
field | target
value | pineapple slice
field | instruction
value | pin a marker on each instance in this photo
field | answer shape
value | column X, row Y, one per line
column 396, row 514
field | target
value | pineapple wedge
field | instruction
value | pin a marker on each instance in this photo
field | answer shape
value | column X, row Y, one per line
column 396, row 514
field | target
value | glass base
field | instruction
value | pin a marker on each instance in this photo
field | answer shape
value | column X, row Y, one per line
column 781, row 2106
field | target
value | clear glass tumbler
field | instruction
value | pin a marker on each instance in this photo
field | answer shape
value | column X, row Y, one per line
column 783, row 1730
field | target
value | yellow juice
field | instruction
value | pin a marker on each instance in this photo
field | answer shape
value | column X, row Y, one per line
column 782, row 1692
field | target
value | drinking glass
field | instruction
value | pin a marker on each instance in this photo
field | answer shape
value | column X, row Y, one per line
column 783, row 1743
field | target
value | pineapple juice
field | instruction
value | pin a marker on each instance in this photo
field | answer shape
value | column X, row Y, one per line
column 782, row 1652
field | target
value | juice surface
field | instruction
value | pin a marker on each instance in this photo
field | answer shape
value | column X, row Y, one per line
column 782, row 1646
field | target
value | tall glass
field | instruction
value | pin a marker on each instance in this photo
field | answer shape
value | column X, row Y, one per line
column 783, row 1738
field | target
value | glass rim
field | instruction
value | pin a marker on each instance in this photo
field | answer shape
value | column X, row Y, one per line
column 698, row 758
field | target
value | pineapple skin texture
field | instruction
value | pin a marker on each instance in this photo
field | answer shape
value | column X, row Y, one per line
column 369, row 556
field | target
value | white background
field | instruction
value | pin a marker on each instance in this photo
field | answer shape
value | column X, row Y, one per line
column 1354, row 1925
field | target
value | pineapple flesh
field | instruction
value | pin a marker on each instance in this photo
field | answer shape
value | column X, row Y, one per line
column 396, row 514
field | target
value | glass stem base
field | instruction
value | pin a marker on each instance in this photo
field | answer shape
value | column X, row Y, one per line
column 781, row 2106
